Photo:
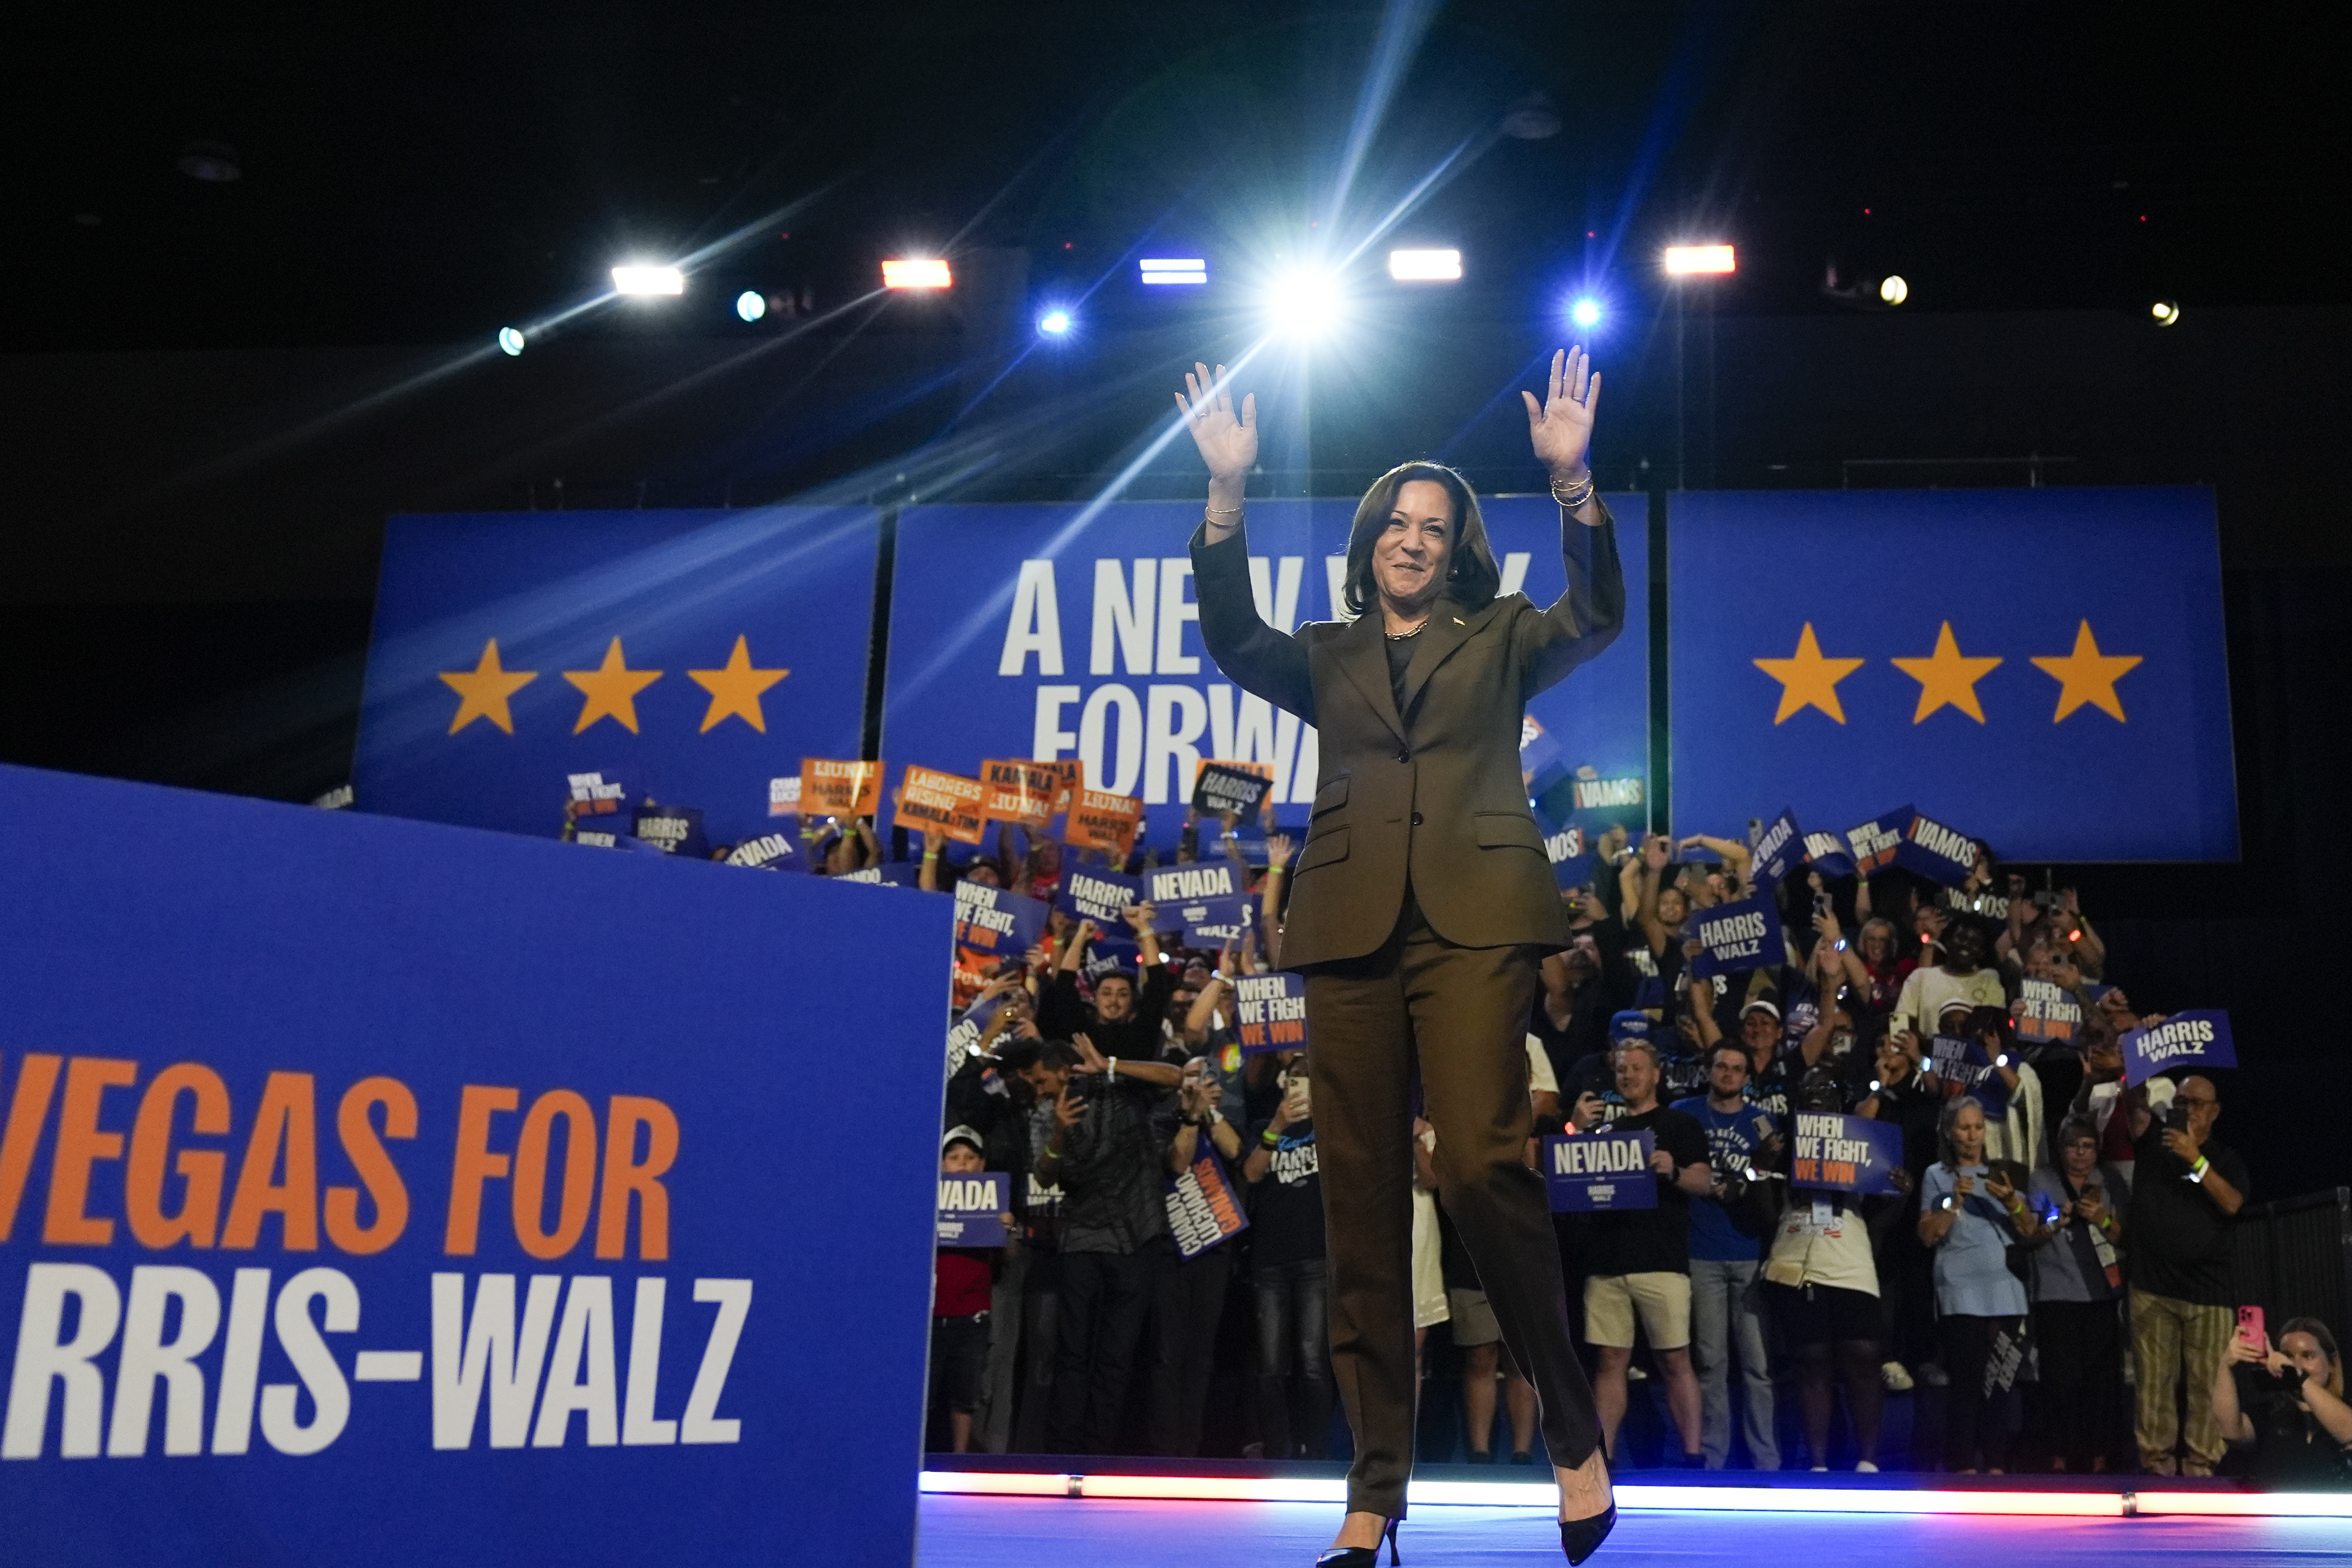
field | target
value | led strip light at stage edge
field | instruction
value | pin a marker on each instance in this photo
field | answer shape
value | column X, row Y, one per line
column 1747, row 1499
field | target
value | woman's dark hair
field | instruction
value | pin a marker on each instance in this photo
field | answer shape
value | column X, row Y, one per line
column 1472, row 579
column 2073, row 1129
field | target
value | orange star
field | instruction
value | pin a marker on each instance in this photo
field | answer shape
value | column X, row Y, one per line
column 735, row 690
column 2086, row 675
column 612, row 689
column 1947, row 679
column 1807, row 680
column 483, row 690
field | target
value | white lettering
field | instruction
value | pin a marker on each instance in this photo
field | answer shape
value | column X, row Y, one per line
column 638, row 1427
column 463, row 1353
column 1277, row 601
column 586, row 1335
column 147, row 1355
column 699, row 1424
column 1121, row 779
column 1035, row 626
column 1047, row 739
column 1130, row 618
column 1175, row 609
column 314, row 1363
column 240, row 1373
column 42, row 1359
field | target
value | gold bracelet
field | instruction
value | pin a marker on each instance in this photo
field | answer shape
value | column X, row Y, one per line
column 1577, row 496
column 1213, row 510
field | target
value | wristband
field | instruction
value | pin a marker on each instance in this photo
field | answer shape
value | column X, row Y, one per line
column 1275, row 870
column 1113, row 1068
column 1269, row 1137
column 2196, row 1172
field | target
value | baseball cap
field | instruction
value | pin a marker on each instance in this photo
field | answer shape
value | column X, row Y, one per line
column 1631, row 1024
column 962, row 1135
column 1761, row 1005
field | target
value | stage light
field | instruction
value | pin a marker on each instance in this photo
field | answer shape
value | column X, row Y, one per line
column 2166, row 311
column 1683, row 261
column 916, row 272
column 1303, row 304
column 1175, row 269
column 1893, row 290
column 1426, row 266
column 639, row 279
column 1054, row 323
column 509, row 342
column 1585, row 313
column 751, row 304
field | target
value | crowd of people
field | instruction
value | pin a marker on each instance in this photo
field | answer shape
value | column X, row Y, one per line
column 2056, row 1265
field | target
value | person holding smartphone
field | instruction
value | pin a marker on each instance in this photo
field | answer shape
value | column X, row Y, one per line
column 1972, row 1209
column 2290, row 1406
column 2078, row 1287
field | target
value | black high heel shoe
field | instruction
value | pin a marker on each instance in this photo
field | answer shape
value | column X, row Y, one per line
column 1580, row 1538
column 1366, row 1556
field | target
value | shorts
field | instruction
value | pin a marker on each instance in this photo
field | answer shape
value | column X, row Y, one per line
column 1663, row 1300
column 959, row 1350
column 1473, row 1320
column 1816, row 1314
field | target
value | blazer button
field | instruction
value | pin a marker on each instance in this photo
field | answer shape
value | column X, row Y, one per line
column 1416, row 819
column 1403, row 755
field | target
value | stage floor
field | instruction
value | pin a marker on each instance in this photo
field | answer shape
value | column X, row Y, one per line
column 1023, row 1533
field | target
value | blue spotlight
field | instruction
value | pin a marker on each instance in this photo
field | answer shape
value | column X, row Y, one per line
column 1585, row 313
column 1054, row 323
column 751, row 304
column 509, row 342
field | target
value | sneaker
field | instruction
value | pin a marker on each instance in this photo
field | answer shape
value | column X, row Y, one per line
column 1897, row 1380
column 1934, row 1377
column 1865, row 1469
column 1821, row 1470
column 1637, row 1374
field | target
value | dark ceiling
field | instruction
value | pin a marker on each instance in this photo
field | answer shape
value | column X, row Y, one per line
column 412, row 173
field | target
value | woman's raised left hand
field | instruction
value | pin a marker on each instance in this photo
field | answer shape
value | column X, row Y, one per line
column 1560, row 427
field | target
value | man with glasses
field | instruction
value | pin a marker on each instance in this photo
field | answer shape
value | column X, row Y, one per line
column 2185, row 1185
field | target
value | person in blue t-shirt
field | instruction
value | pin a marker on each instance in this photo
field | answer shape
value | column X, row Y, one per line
column 1727, row 1308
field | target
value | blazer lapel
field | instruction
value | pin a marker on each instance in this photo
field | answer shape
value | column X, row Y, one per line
column 1365, row 662
column 1449, row 628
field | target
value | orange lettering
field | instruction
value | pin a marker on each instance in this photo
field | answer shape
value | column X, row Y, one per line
column 623, row 1176
column 375, row 1167
column 37, row 1080
column 530, row 1173
column 288, row 1120
column 79, row 1146
column 474, row 1164
column 202, row 1169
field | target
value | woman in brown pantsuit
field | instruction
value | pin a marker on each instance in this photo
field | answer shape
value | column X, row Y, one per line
column 1421, row 904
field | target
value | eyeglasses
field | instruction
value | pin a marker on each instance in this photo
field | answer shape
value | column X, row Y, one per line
column 2194, row 1100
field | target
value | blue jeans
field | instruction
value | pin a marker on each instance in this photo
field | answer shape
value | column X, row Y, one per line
column 1727, row 1314
column 1294, row 1353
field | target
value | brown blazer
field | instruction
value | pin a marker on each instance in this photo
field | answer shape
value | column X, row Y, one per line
column 1433, row 793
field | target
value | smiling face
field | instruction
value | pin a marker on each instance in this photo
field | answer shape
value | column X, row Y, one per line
column 1411, row 556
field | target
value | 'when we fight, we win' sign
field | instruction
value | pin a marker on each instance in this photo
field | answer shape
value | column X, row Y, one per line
column 1270, row 1011
column 1847, row 1153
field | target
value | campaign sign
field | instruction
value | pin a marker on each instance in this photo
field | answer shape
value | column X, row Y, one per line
column 972, row 1206
column 1270, row 1011
column 2200, row 1038
column 674, row 829
column 350, row 1219
column 2046, row 1011
column 1104, row 822
column 1876, row 842
column 601, row 793
column 1075, row 633
column 1238, row 787
column 1090, row 893
column 1848, row 1153
column 1737, row 936
column 768, row 852
column 1937, row 852
column 2099, row 662
column 969, row 1029
column 1600, row 1171
column 1023, row 792
column 1780, row 850
column 1169, row 886
column 830, row 788
column 996, row 921
column 1202, row 1209
column 1826, row 853
column 784, row 796
column 615, row 839
column 680, row 653
column 1964, row 1067
column 1542, row 763
column 890, row 874
column 1567, row 848
column 940, row 803
column 1211, row 922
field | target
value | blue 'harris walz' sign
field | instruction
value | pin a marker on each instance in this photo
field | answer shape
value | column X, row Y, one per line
column 2200, row 1038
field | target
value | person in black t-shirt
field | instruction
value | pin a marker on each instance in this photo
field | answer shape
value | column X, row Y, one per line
column 1283, row 1171
column 2185, row 1187
column 2290, row 1408
column 1640, row 1258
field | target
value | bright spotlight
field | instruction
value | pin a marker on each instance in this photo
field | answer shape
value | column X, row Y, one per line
column 1303, row 304
column 1426, row 266
column 1893, row 290
column 751, row 304
column 916, row 272
column 1054, row 323
column 1173, row 269
column 1681, row 261
column 1585, row 313
column 509, row 342
column 648, row 280
column 2166, row 311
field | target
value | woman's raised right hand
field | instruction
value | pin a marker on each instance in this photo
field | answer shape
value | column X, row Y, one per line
column 1228, row 443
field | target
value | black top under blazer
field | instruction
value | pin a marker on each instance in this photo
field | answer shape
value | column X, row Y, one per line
column 1432, row 797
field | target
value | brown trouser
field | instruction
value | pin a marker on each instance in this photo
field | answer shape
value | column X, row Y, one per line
column 1460, row 1013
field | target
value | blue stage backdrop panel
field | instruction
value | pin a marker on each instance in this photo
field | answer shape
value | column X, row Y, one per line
column 1063, row 630
column 266, row 960
column 444, row 737
column 2042, row 670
